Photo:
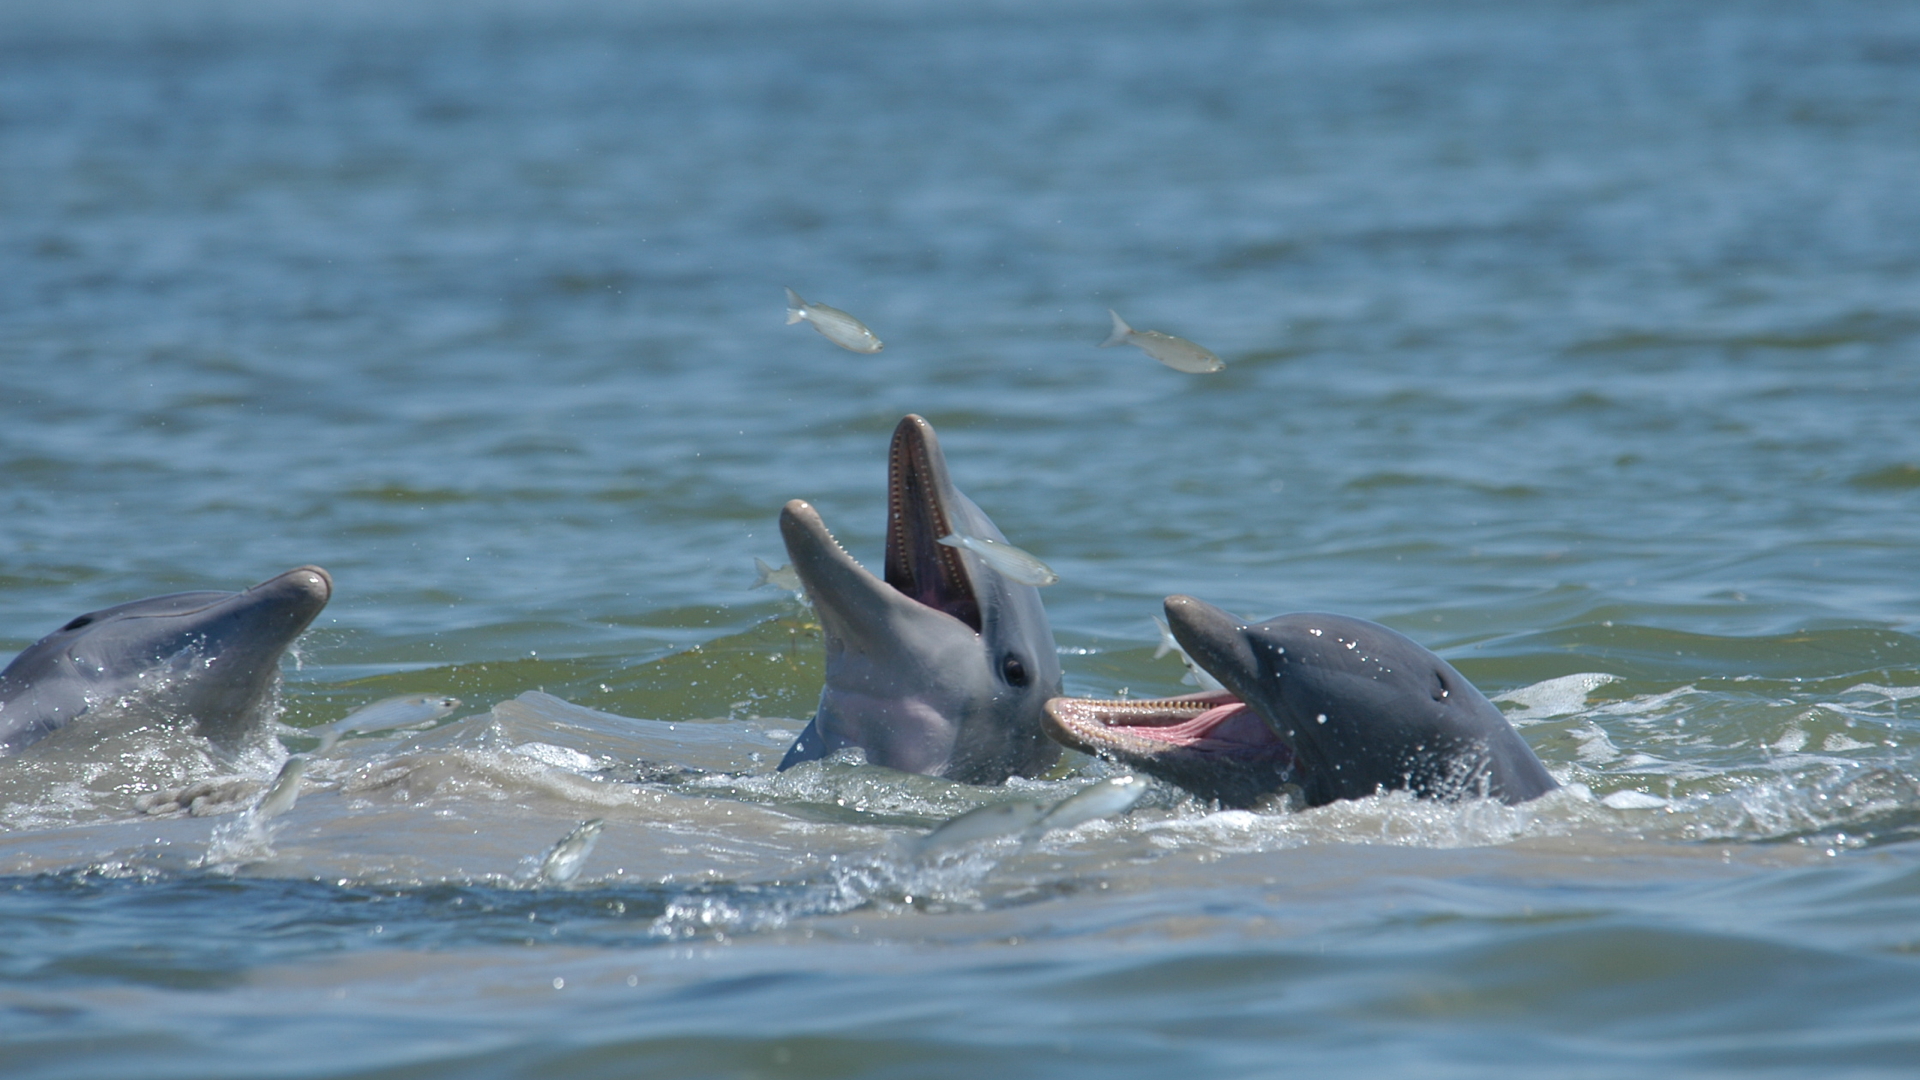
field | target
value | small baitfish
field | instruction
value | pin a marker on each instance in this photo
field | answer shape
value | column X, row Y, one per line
column 1115, row 795
column 1005, row 558
column 1175, row 352
column 1196, row 675
column 981, row 823
column 563, row 862
column 780, row 577
column 283, row 792
column 835, row 325
column 393, row 712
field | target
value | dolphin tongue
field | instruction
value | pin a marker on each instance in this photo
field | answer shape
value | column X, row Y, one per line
column 1214, row 722
column 918, row 497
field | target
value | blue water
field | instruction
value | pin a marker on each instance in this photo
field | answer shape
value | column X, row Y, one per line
column 1577, row 341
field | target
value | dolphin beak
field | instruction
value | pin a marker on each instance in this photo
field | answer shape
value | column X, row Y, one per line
column 846, row 596
column 920, row 501
column 1215, row 640
column 1215, row 723
column 920, row 498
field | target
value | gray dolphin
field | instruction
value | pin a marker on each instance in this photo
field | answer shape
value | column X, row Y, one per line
column 944, row 667
column 1337, row 706
column 212, row 656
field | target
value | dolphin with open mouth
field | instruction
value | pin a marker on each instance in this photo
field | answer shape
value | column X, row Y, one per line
column 1333, row 706
column 944, row 667
column 213, row 657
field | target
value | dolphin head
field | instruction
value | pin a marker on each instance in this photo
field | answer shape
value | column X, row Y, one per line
column 1355, row 707
column 210, row 656
column 944, row 666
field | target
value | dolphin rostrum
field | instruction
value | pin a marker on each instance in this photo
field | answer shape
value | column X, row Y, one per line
column 1338, row 707
column 945, row 666
column 213, row 657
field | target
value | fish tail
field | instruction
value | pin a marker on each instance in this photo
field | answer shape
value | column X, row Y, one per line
column 760, row 564
column 1120, row 331
column 797, row 308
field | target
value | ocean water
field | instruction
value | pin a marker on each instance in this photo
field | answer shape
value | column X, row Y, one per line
column 1577, row 341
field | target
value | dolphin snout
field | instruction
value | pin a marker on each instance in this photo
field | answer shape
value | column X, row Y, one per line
column 312, row 580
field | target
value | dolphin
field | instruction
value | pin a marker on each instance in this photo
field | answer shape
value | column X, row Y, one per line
column 943, row 668
column 1333, row 706
column 211, row 656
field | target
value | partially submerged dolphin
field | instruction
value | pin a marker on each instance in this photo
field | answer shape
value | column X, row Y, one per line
column 1340, row 708
column 213, row 657
column 945, row 666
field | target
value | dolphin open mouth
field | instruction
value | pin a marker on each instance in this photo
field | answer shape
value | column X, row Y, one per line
column 920, row 510
column 1210, row 724
column 916, row 564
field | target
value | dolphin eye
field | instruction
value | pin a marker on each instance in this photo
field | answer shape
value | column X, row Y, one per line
column 76, row 624
column 1012, row 670
column 1439, row 687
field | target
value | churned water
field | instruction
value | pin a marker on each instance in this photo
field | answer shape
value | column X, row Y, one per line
column 1577, row 341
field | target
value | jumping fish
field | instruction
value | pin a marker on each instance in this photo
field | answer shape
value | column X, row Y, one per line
column 563, row 862
column 393, row 712
column 1175, row 352
column 1004, row 557
column 780, row 577
column 835, row 325
column 282, row 793
column 1196, row 675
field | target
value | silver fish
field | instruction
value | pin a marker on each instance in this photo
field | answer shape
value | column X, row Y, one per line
column 393, row 712
column 282, row 793
column 835, row 325
column 1004, row 557
column 1115, row 795
column 1175, row 352
column 780, row 577
column 563, row 862
column 981, row 823
column 1196, row 675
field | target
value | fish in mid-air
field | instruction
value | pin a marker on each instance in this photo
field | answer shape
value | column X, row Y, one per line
column 835, row 325
column 393, row 712
column 783, row 576
column 1176, row 352
column 283, row 792
column 564, row 860
column 1004, row 557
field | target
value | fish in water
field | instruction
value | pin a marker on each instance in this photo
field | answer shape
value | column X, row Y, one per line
column 1030, row 819
column 1103, row 799
column 944, row 666
column 1330, row 706
column 562, row 863
column 393, row 712
column 213, row 657
column 780, row 577
column 981, row 823
column 1176, row 352
column 1196, row 675
column 835, row 325
column 283, row 792
column 1004, row 557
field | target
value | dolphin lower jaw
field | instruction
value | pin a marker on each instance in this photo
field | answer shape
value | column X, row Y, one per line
column 1211, row 744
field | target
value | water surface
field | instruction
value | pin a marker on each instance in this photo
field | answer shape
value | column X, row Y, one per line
column 1576, row 341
